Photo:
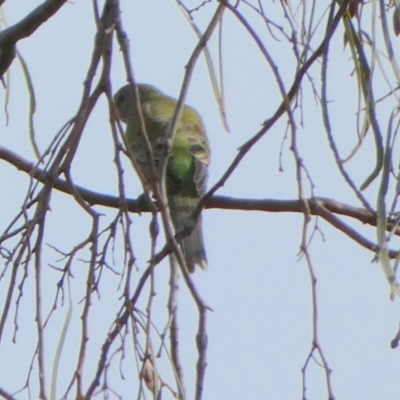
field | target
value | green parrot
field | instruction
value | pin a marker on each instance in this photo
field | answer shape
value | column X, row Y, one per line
column 189, row 158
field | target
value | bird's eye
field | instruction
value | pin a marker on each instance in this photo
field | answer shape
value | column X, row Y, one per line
column 119, row 99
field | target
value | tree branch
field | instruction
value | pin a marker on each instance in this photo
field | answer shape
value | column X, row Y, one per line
column 319, row 206
column 31, row 22
column 24, row 28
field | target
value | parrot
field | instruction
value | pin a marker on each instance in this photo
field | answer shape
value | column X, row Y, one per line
column 189, row 158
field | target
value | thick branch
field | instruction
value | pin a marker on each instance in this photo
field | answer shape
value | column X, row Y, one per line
column 320, row 206
column 31, row 22
column 221, row 202
column 24, row 28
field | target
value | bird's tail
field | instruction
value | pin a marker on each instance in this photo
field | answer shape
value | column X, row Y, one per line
column 181, row 209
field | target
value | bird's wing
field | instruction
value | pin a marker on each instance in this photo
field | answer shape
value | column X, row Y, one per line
column 199, row 150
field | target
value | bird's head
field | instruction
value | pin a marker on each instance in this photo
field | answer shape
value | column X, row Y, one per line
column 124, row 98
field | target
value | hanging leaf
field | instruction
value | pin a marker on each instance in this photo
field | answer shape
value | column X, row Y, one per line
column 353, row 7
column 396, row 20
